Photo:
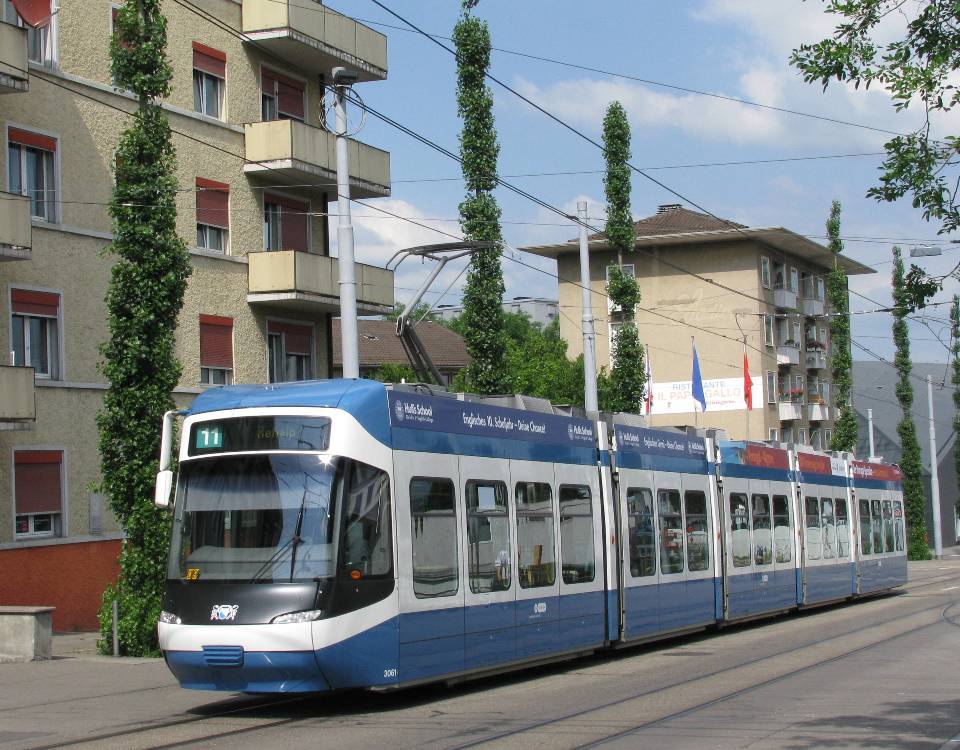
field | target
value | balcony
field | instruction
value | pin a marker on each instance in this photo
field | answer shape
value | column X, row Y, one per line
column 788, row 354
column 299, row 154
column 813, row 307
column 818, row 412
column 784, row 299
column 788, row 411
column 18, row 405
column 314, row 38
column 15, row 230
column 816, row 359
column 310, row 283
column 13, row 59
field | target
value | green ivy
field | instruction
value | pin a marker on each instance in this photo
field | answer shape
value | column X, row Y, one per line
column 910, row 465
column 955, row 351
column 628, row 376
column 145, row 294
column 841, row 363
column 479, row 212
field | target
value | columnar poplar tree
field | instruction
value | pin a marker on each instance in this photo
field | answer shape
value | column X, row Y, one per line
column 479, row 212
column 841, row 363
column 955, row 334
column 910, row 465
column 628, row 373
column 147, row 284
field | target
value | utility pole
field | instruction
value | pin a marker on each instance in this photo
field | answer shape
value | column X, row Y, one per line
column 934, row 478
column 589, row 335
column 873, row 452
column 342, row 80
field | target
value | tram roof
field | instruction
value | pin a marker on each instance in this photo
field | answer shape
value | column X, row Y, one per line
column 332, row 394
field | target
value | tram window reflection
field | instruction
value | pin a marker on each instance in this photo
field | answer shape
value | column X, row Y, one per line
column 536, row 561
column 877, row 526
column 813, row 539
column 898, row 525
column 698, row 530
column 671, row 531
column 782, row 539
column 433, row 520
column 843, row 528
column 643, row 554
column 888, row 526
column 829, row 528
column 762, row 533
column 488, row 536
column 740, row 530
column 367, row 533
column 576, row 534
column 866, row 543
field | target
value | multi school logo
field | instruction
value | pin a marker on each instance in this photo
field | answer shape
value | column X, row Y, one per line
column 408, row 411
column 580, row 432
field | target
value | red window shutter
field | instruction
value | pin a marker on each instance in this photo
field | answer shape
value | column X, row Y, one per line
column 296, row 339
column 294, row 225
column 268, row 81
column 35, row 303
column 209, row 60
column 213, row 203
column 26, row 138
column 216, row 341
column 291, row 97
column 37, row 484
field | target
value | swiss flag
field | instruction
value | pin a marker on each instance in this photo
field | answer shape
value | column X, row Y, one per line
column 747, row 384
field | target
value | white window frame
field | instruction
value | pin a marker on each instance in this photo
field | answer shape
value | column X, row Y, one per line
column 279, row 114
column 802, row 436
column 54, row 532
column 60, row 371
column 263, row 208
column 820, row 288
column 798, row 334
column 827, row 438
column 798, row 385
column 206, row 78
column 773, row 435
column 283, row 352
column 786, row 435
column 794, row 279
column 769, row 336
column 771, row 387
column 207, row 376
column 629, row 269
column 53, row 205
column 204, row 232
column 766, row 278
column 50, row 34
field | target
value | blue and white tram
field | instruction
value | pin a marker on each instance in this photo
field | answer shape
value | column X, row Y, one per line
column 344, row 533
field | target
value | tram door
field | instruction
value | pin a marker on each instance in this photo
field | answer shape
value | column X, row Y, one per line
column 698, row 527
column 672, row 546
column 739, row 595
column 533, row 489
column 638, row 551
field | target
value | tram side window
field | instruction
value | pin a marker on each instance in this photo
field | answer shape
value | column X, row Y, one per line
column 888, row 525
column 643, row 553
column 898, row 524
column 367, row 534
column 829, row 528
column 866, row 544
column 576, row 534
column 671, row 531
column 433, row 520
column 877, row 526
column 488, row 536
column 740, row 530
column 843, row 528
column 762, row 535
column 698, row 530
column 536, row 561
column 782, row 539
column 813, row 540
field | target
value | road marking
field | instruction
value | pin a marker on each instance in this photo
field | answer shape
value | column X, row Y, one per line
column 950, row 588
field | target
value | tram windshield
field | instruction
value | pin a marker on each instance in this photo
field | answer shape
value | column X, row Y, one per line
column 270, row 518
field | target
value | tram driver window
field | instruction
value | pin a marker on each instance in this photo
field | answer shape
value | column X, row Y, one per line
column 536, row 561
column 698, row 530
column 782, row 539
column 367, row 535
column 576, row 534
column 643, row 552
column 828, row 527
column 877, row 527
column 866, row 545
column 843, row 529
column 762, row 533
column 740, row 530
column 813, row 539
column 488, row 536
column 671, row 531
column 887, row 526
column 433, row 521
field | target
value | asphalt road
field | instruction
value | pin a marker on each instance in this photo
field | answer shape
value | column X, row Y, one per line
column 879, row 673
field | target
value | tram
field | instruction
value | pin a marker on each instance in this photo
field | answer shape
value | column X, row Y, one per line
column 350, row 534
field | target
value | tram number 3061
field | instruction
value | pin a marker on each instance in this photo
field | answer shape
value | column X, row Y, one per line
column 391, row 673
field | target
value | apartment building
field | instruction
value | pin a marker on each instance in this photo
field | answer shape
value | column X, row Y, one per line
column 541, row 311
column 728, row 288
column 256, row 168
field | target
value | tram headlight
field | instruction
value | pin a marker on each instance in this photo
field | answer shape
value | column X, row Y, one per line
column 307, row 615
column 169, row 618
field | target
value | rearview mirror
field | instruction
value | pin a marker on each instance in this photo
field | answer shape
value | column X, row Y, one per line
column 161, row 495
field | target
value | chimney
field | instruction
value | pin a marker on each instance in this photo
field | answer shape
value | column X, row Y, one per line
column 664, row 208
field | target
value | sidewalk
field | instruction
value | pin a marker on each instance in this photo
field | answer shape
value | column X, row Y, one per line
column 67, row 645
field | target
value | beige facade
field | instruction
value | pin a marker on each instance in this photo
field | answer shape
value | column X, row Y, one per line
column 68, row 111
column 730, row 289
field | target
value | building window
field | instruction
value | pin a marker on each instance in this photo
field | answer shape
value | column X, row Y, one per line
column 816, row 437
column 779, row 274
column 787, row 435
column 285, row 224
column 806, row 284
column 768, row 330
column 827, row 439
column 773, row 435
column 35, row 324
column 614, row 329
column 216, row 350
column 290, row 351
column 213, row 215
column 819, row 288
column 802, row 436
column 765, row 272
column 41, row 47
column 32, row 170
column 209, row 80
column 282, row 98
column 37, row 493
column 771, row 387
column 794, row 283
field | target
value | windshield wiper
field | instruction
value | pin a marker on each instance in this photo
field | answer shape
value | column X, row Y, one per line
column 294, row 540
column 296, row 533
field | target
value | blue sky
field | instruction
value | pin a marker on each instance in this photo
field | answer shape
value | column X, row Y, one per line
column 736, row 48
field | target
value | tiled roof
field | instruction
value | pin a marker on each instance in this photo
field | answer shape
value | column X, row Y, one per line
column 675, row 219
column 379, row 344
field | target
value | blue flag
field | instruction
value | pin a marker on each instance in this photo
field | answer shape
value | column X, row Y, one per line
column 697, row 380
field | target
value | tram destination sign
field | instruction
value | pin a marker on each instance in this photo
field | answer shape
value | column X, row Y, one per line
column 259, row 433
column 659, row 443
column 416, row 412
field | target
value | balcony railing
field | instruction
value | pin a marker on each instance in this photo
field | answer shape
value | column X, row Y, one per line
column 816, row 359
column 299, row 154
column 784, row 297
column 13, row 59
column 789, row 411
column 17, row 397
column 812, row 306
column 310, row 283
column 818, row 412
column 315, row 38
column 15, row 228
column 788, row 354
